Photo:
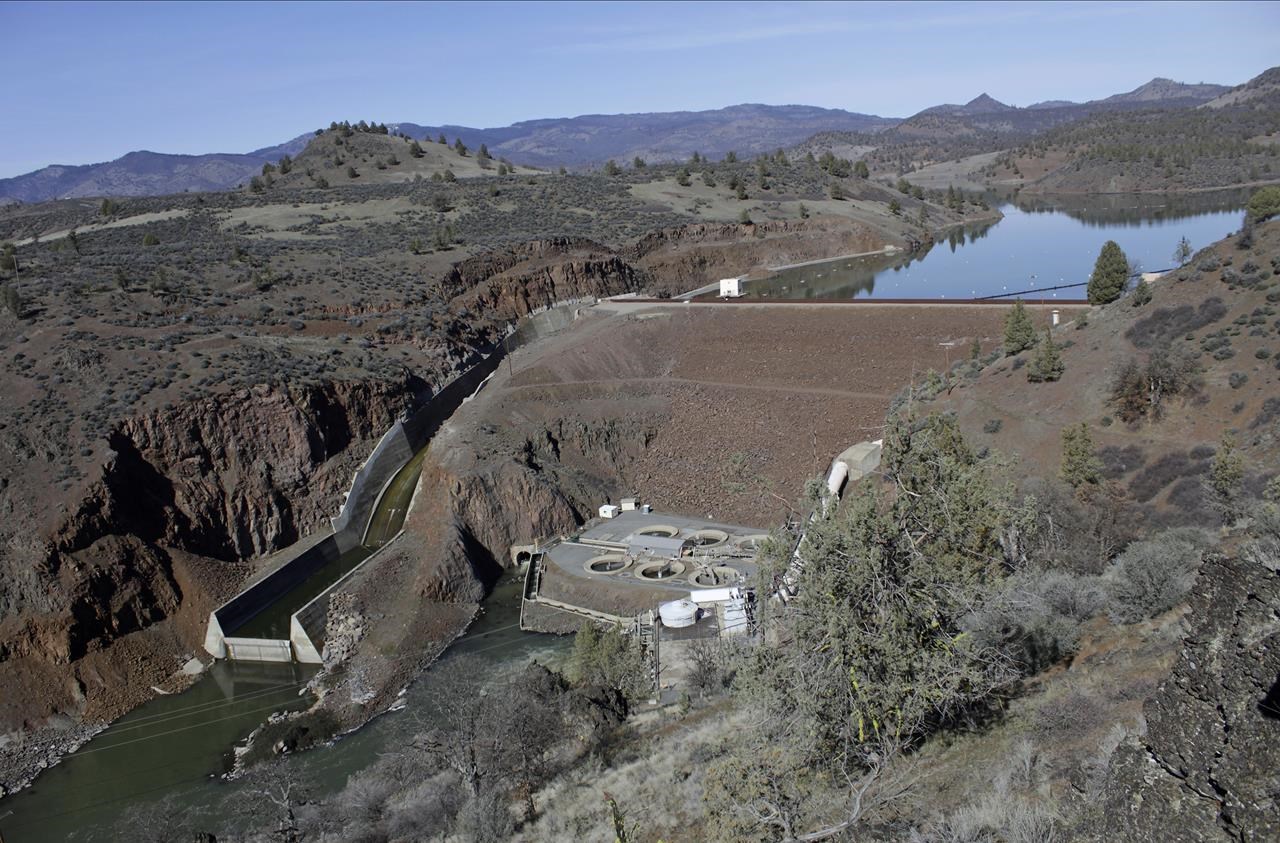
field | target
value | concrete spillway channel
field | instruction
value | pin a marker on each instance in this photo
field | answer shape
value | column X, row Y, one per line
column 281, row 617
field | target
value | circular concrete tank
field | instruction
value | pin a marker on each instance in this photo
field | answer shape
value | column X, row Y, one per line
column 659, row 530
column 660, row 570
column 610, row 563
column 715, row 577
column 750, row 543
column 709, row 538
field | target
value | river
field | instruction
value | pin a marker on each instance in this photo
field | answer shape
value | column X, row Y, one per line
column 177, row 746
column 1041, row 242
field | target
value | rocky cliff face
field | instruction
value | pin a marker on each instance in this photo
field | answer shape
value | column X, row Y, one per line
column 221, row 480
column 236, row 476
column 510, row 283
column 1208, row 767
column 698, row 254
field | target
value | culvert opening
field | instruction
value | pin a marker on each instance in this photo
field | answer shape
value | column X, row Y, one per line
column 658, row 530
column 661, row 570
column 717, row 577
column 610, row 564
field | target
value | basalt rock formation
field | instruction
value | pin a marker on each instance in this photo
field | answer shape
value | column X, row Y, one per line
column 1208, row 767
column 685, row 257
column 182, row 495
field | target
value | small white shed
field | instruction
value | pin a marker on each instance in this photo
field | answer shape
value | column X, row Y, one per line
column 609, row 510
column 630, row 504
column 731, row 288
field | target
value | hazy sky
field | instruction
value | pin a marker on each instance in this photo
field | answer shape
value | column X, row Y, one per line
column 89, row 82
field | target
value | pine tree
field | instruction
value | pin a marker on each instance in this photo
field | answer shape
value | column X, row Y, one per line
column 638, row 163
column 1019, row 330
column 730, row 157
column 1047, row 364
column 611, row 168
column 860, row 170
column 1080, row 466
column 415, row 149
column 1110, row 274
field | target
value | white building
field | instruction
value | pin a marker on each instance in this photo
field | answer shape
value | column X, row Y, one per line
column 609, row 510
column 731, row 288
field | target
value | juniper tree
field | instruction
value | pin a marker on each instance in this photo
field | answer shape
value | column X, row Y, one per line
column 1080, row 465
column 12, row 301
column 860, row 170
column 1183, row 252
column 1019, row 330
column 1225, row 476
column 1046, row 363
column 871, row 654
column 611, row 168
column 682, row 177
column 1141, row 294
column 1110, row 274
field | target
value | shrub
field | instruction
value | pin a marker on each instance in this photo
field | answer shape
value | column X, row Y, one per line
column 1167, row 322
column 1117, row 461
column 1237, row 379
column 1139, row 391
column 1148, row 482
column 1153, row 576
column 992, row 425
column 1035, row 617
column 1264, row 204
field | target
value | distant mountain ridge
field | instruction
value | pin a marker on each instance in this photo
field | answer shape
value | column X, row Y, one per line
column 591, row 139
column 145, row 173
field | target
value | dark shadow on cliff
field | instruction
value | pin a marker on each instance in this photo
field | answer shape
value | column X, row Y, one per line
column 1270, row 705
column 486, row 567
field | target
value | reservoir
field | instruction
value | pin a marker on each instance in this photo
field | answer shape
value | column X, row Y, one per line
column 1045, row 242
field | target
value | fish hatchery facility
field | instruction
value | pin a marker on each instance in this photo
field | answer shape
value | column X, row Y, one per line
column 634, row 567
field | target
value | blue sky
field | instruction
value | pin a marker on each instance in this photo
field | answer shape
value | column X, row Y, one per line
column 89, row 82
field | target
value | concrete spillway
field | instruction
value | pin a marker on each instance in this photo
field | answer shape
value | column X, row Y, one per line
column 386, row 521
column 282, row 616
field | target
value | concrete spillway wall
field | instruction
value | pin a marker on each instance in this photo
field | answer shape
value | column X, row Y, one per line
column 396, row 447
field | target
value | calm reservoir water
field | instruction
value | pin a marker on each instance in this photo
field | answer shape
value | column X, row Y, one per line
column 1046, row 242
